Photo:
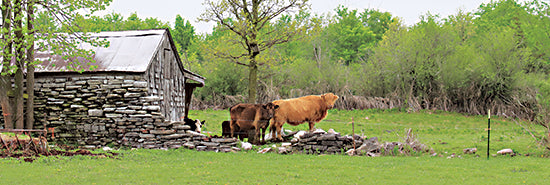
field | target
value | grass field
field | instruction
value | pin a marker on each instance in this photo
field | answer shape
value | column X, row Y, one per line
column 444, row 132
column 191, row 167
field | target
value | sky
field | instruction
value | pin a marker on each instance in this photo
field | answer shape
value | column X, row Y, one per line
column 408, row 10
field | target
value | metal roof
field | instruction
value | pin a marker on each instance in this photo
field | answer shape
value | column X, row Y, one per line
column 128, row 51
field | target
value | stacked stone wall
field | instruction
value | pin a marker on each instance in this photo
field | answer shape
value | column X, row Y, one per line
column 322, row 142
column 94, row 109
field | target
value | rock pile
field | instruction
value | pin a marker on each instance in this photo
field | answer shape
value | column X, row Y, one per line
column 175, row 134
column 213, row 144
column 320, row 142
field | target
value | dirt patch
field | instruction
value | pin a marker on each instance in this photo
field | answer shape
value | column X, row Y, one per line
column 28, row 148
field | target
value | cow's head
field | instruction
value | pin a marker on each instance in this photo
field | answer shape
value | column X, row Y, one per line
column 269, row 110
column 199, row 125
column 329, row 99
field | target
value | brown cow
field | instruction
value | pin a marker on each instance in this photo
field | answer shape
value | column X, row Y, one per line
column 226, row 131
column 248, row 117
column 311, row 109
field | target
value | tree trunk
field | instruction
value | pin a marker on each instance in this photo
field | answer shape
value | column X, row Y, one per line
column 5, row 79
column 19, row 108
column 7, row 113
column 252, row 80
column 19, row 61
column 30, row 66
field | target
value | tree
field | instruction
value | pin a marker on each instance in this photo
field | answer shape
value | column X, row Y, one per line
column 115, row 22
column 379, row 22
column 349, row 36
column 530, row 23
column 354, row 35
column 18, row 44
column 5, row 80
column 30, row 65
column 249, row 21
column 183, row 34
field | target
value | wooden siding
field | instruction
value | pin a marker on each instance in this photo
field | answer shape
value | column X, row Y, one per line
column 167, row 81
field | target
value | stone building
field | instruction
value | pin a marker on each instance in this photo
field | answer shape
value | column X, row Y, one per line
column 138, row 85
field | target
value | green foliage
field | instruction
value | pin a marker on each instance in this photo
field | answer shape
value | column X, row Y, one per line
column 224, row 79
column 528, row 22
column 183, row 34
column 116, row 22
column 351, row 39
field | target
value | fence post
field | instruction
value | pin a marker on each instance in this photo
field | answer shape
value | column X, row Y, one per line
column 353, row 133
column 488, row 131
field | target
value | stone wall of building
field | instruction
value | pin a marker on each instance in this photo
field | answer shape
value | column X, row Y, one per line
column 95, row 109
column 121, row 109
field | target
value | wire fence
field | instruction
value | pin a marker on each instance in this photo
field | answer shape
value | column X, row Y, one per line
column 482, row 126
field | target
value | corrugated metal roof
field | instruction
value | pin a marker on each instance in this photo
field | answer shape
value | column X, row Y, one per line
column 128, row 51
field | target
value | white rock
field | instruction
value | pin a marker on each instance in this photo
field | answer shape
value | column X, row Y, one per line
column 265, row 150
column 350, row 152
column 370, row 154
column 331, row 131
column 285, row 144
column 246, row 145
column 282, row 150
column 470, row 150
column 299, row 134
column 194, row 133
column 505, row 151
column 106, row 148
column 319, row 131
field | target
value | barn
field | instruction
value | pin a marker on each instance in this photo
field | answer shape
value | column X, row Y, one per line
column 137, row 86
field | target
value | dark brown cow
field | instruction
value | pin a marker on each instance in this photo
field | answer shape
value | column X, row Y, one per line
column 226, row 129
column 241, row 134
column 246, row 118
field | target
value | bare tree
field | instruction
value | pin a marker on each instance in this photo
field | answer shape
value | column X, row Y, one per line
column 249, row 20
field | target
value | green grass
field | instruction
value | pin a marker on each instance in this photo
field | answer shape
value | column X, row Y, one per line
column 191, row 167
column 183, row 166
column 445, row 132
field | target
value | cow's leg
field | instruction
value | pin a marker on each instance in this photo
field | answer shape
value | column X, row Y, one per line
column 280, row 132
column 263, row 134
column 232, row 127
column 256, row 125
column 272, row 129
column 311, row 126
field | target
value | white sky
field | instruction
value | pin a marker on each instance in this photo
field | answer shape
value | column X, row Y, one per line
column 408, row 10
